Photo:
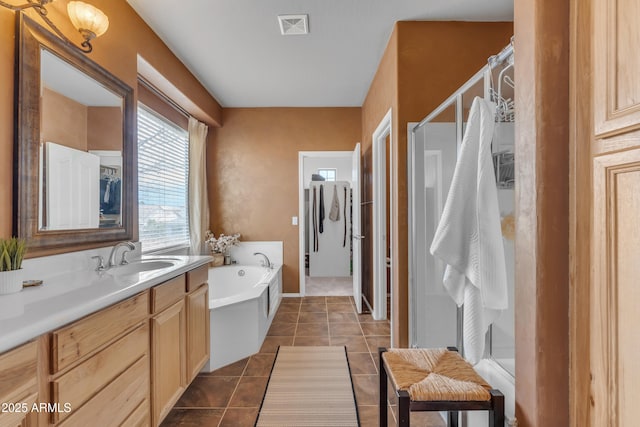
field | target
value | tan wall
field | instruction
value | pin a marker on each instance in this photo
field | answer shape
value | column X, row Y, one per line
column 542, row 212
column 104, row 128
column 424, row 63
column 252, row 170
column 69, row 123
column 117, row 51
column 64, row 121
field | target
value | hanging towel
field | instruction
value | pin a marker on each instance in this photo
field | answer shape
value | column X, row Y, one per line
column 321, row 211
column 334, row 213
column 314, row 220
column 468, row 238
column 344, row 215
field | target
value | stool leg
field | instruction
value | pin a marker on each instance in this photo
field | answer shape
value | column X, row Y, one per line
column 403, row 408
column 496, row 414
column 453, row 419
column 383, row 390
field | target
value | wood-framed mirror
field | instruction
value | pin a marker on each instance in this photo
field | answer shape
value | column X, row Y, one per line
column 74, row 155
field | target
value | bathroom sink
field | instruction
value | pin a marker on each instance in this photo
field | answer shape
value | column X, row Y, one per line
column 140, row 267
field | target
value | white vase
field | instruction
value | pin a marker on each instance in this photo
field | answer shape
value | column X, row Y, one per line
column 11, row 281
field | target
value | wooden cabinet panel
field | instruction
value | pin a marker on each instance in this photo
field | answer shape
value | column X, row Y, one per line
column 79, row 339
column 162, row 296
column 168, row 364
column 18, row 372
column 615, row 342
column 197, row 330
column 197, row 277
column 20, row 415
column 83, row 381
column 617, row 66
column 18, row 384
column 140, row 417
column 112, row 405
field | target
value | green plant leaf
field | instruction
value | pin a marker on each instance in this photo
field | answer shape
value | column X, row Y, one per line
column 12, row 253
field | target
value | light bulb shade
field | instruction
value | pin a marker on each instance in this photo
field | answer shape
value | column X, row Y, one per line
column 87, row 18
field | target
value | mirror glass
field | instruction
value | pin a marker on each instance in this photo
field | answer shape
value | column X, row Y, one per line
column 81, row 149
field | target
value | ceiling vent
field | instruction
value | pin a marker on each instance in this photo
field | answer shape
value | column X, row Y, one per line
column 293, row 25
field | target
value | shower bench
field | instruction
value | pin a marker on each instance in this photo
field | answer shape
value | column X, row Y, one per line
column 435, row 380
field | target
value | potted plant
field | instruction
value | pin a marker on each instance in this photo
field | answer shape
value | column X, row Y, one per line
column 220, row 245
column 11, row 274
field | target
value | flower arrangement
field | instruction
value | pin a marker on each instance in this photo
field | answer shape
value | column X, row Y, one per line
column 221, row 244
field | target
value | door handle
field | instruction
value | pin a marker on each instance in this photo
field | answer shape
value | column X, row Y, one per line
column 358, row 236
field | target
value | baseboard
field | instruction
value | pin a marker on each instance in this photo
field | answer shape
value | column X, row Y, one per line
column 290, row 295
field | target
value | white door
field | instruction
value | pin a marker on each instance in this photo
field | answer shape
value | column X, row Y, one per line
column 355, row 228
column 73, row 188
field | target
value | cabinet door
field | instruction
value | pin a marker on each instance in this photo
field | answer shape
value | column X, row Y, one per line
column 19, row 385
column 168, row 376
column 617, row 66
column 606, row 190
column 197, row 330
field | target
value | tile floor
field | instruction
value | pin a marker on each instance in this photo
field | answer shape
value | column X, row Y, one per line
column 332, row 286
column 231, row 396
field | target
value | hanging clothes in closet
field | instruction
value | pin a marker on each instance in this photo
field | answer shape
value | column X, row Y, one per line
column 331, row 255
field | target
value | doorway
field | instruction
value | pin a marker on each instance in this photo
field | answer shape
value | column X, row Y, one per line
column 383, row 196
column 327, row 223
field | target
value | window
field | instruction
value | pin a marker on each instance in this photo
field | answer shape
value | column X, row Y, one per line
column 163, row 171
column 327, row 174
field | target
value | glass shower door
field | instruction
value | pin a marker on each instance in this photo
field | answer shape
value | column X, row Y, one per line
column 433, row 313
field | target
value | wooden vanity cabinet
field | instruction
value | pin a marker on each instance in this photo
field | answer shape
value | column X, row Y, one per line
column 168, row 346
column 197, row 320
column 125, row 365
column 179, row 337
column 19, row 386
column 100, row 363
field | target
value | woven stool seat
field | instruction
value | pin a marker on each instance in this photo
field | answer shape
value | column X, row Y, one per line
column 435, row 380
column 435, row 374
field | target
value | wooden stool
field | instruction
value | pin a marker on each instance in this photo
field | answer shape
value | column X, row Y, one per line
column 435, row 380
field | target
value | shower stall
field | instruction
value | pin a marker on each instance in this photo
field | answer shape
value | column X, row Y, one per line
column 434, row 144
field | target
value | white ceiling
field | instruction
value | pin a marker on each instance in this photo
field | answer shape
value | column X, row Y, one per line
column 235, row 49
column 62, row 77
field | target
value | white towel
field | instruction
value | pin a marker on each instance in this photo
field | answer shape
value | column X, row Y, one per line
column 334, row 213
column 468, row 238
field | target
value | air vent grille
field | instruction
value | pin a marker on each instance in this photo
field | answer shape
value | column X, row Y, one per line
column 293, row 24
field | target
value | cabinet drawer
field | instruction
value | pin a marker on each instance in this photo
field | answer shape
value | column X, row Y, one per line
column 196, row 277
column 162, row 296
column 113, row 404
column 18, row 373
column 140, row 417
column 82, row 382
column 19, row 415
column 77, row 340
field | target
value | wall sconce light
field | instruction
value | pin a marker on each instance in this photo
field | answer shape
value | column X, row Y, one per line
column 90, row 21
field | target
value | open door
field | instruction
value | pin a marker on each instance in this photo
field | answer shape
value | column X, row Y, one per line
column 355, row 229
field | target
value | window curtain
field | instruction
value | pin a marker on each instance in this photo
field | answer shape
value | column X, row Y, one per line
column 198, row 201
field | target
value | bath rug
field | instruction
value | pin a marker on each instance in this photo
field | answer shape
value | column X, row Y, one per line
column 309, row 386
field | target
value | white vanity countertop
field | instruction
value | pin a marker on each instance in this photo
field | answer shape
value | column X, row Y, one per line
column 66, row 297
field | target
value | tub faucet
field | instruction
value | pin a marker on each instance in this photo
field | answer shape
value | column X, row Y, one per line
column 265, row 262
column 112, row 256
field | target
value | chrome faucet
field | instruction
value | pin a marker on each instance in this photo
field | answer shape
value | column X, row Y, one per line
column 265, row 262
column 112, row 256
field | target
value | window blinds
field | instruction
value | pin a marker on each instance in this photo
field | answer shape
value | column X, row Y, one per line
column 163, row 170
